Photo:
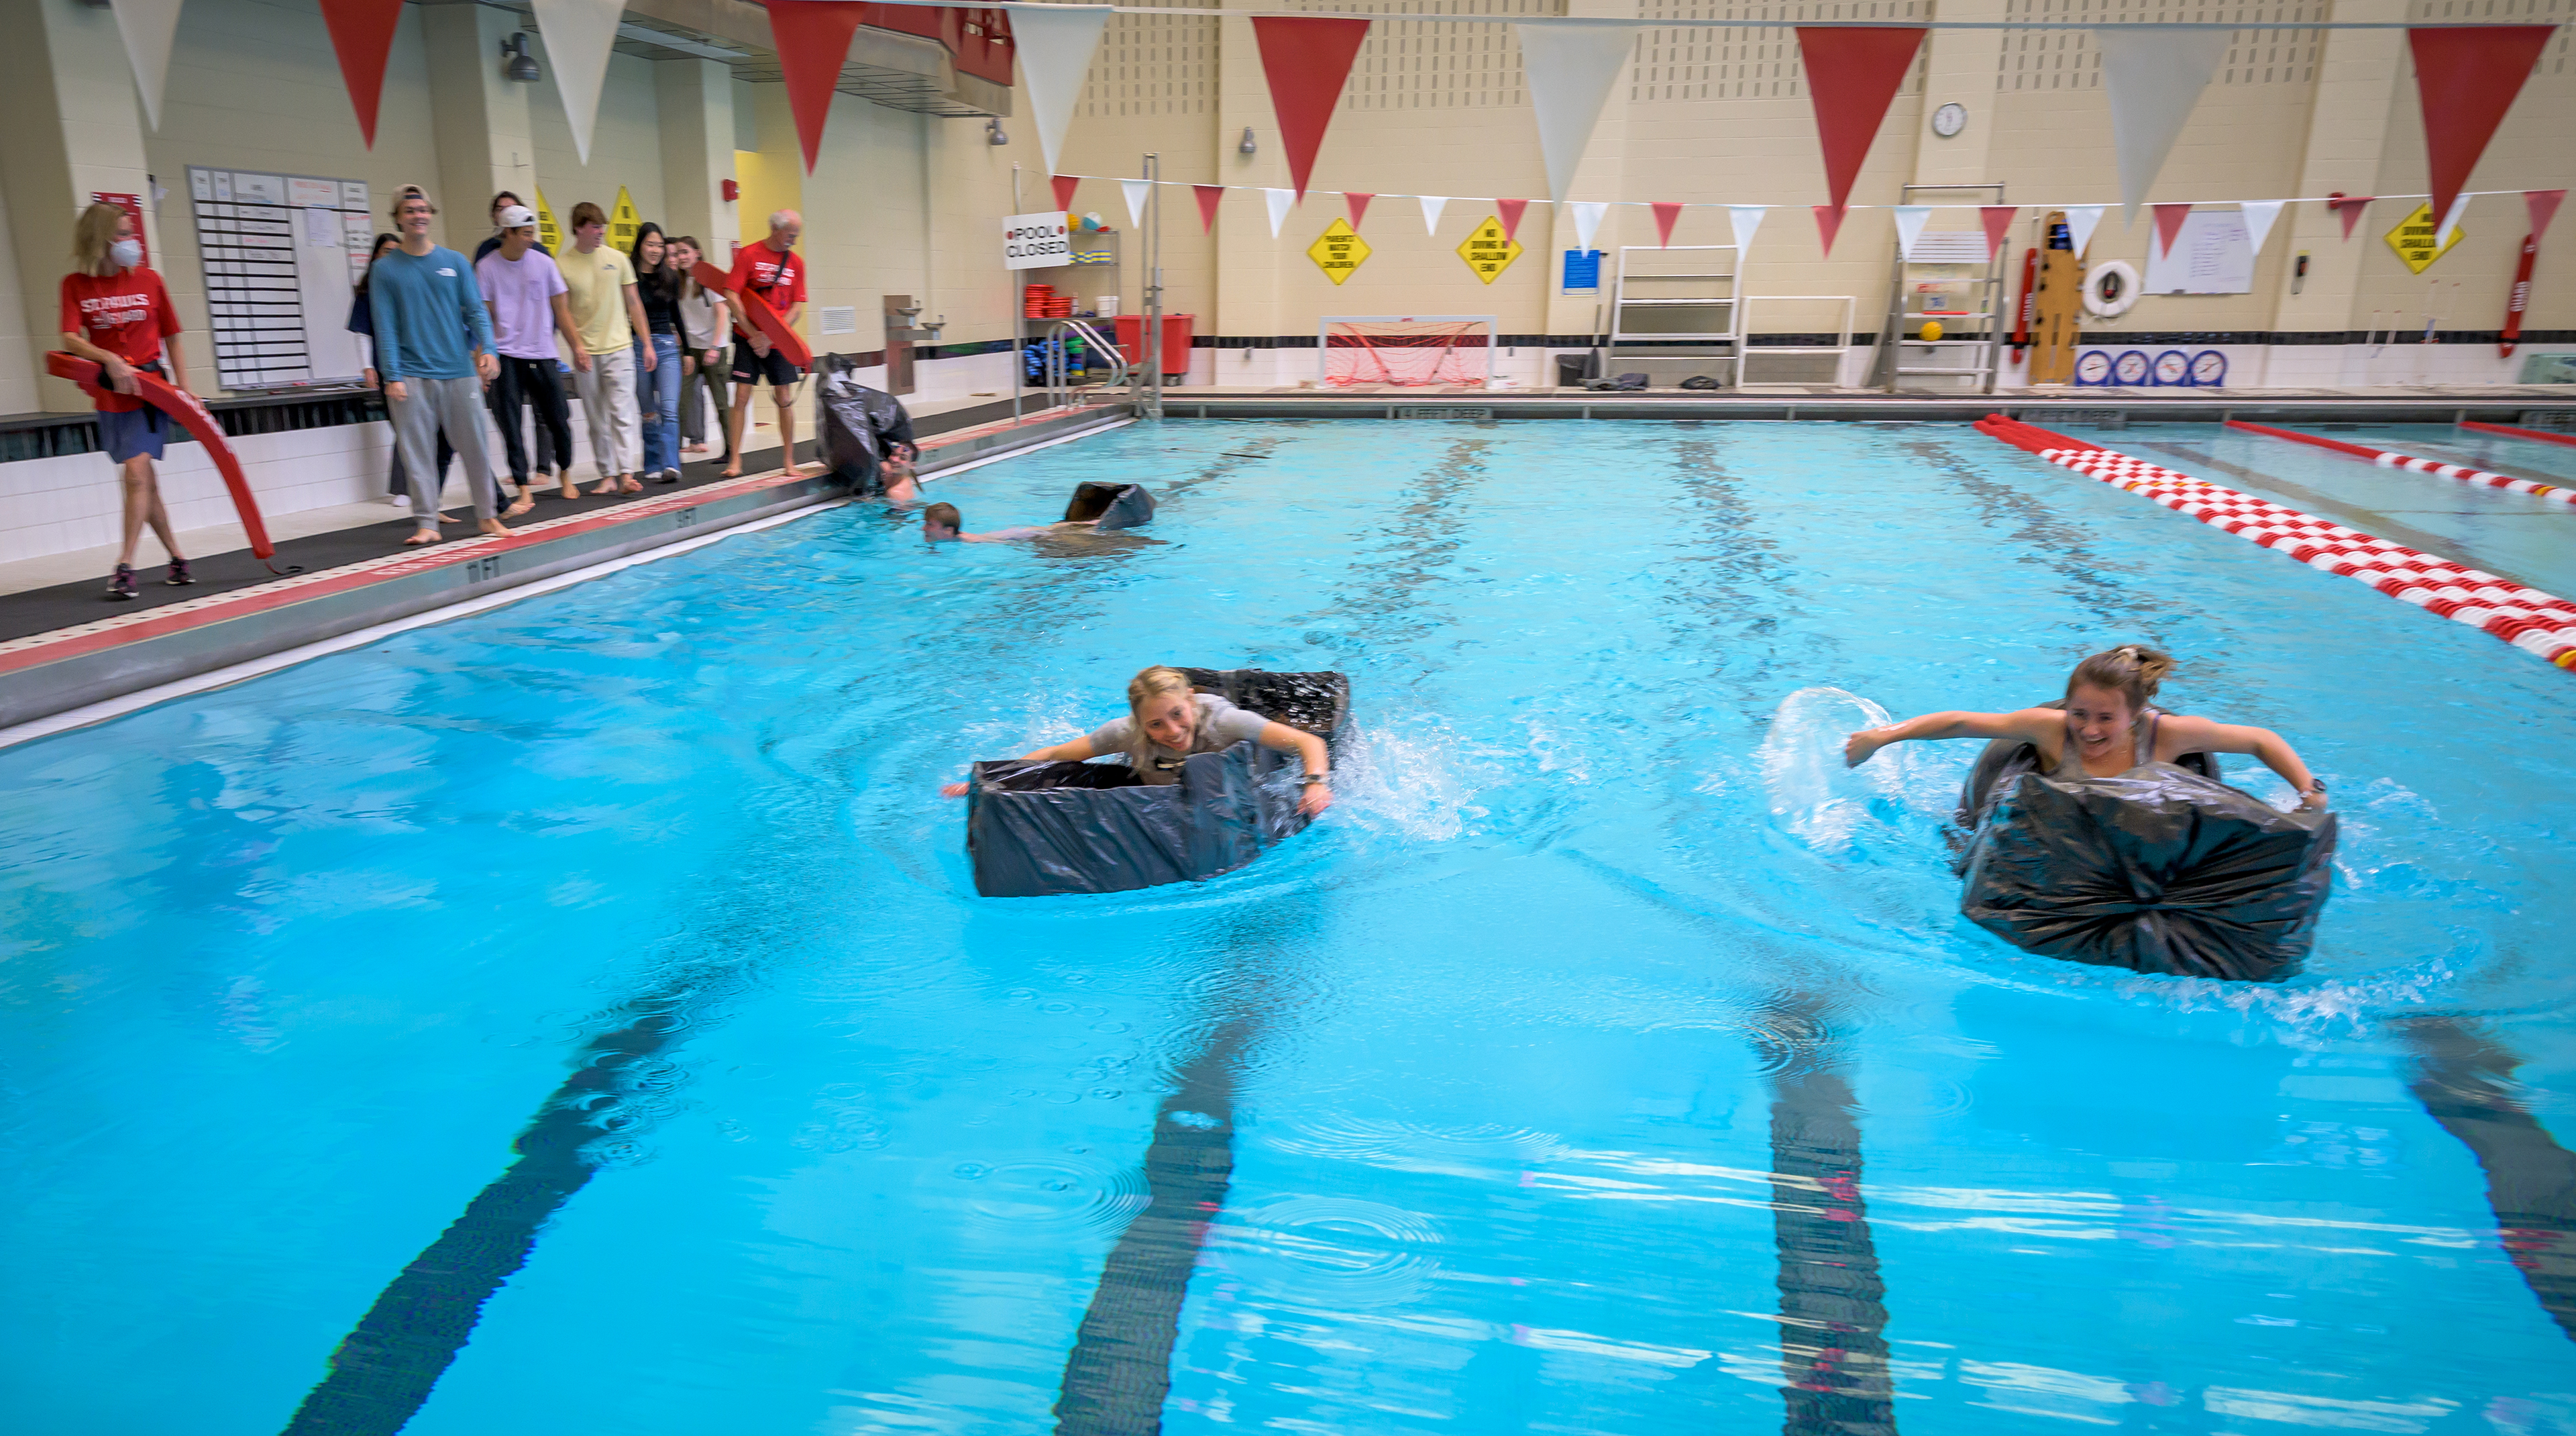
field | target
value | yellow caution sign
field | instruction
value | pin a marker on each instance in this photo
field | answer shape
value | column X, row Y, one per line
column 2415, row 242
column 549, row 233
column 1339, row 252
column 623, row 221
column 1488, row 250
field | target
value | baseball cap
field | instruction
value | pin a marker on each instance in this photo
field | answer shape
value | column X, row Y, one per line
column 517, row 216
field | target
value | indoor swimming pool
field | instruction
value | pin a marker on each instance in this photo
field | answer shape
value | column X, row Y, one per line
column 578, row 1017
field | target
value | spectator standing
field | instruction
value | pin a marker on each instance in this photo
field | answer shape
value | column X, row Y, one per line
column 502, row 201
column 703, row 317
column 772, row 270
column 117, row 312
column 601, row 285
column 362, row 323
column 526, row 294
column 434, row 351
column 547, row 457
column 657, row 293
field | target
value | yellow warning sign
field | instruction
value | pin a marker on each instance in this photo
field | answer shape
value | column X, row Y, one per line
column 1488, row 250
column 622, row 221
column 2415, row 242
column 1339, row 252
column 549, row 233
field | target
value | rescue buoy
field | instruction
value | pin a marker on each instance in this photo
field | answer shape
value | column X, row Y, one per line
column 2110, row 288
column 2519, row 298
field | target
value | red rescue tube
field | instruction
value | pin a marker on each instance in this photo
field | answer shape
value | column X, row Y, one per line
column 2519, row 298
column 2029, row 301
column 762, row 315
column 181, row 406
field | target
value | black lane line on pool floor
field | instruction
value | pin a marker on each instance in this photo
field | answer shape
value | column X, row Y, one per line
column 2464, row 1081
column 1833, row 1304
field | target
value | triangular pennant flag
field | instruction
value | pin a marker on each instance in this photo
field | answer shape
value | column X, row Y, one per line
column 1064, row 186
column 1910, row 219
column 1279, row 200
column 1432, row 204
column 1829, row 222
column 1667, row 214
column 2350, row 208
column 2466, row 76
column 1998, row 220
column 1055, row 44
column 2169, row 218
column 1305, row 60
column 813, row 39
column 2081, row 221
column 1137, row 191
column 1570, row 69
column 2155, row 75
column 2450, row 227
column 1587, row 222
column 1510, row 210
column 578, row 35
column 362, row 36
column 1744, row 219
column 1851, row 75
column 2259, row 214
column 147, row 27
column 2543, row 204
column 1357, row 204
column 1210, row 196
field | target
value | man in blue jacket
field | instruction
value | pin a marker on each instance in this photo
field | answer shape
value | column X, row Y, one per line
column 434, row 351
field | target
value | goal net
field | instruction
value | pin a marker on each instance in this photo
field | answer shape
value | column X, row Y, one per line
column 1431, row 349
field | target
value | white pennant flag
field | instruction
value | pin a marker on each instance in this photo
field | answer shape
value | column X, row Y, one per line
column 1910, row 219
column 1432, row 204
column 147, row 26
column 1055, row 44
column 1570, row 68
column 578, row 36
column 1280, row 200
column 1587, row 222
column 1138, row 191
column 2155, row 76
column 2259, row 214
column 2081, row 221
column 1745, row 218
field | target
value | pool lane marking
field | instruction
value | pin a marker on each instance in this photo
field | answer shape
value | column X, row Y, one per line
column 2541, row 624
column 2464, row 1081
column 2391, row 459
column 2513, row 432
column 1833, row 1303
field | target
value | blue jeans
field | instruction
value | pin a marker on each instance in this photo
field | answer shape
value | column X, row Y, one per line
column 658, row 395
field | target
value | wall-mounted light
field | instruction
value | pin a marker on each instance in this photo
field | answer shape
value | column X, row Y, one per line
column 1247, row 147
column 518, row 64
column 993, row 133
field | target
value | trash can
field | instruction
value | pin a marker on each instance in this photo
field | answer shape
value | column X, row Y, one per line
column 1177, row 332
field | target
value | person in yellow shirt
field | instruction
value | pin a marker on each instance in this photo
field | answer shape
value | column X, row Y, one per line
column 600, row 284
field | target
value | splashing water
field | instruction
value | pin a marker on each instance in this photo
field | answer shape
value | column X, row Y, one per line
column 1813, row 792
column 1413, row 780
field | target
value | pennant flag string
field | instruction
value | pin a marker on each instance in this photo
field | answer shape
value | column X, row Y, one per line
column 1510, row 210
column 362, row 37
column 1997, row 219
column 1306, row 59
column 1279, row 200
column 1432, row 204
column 2259, row 216
column 578, row 34
column 813, row 39
column 1851, row 77
column 147, row 27
column 1357, row 203
column 1910, row 219
column 2169, row 218
column 1065, row 185
column 2154, row 79
column 1055, row 46
column 2543, row 205
column 2081, row 221
column 1019, row 11
column 1667, row 214
column 1137, row 192
column 1570, row 70
column 2466, row 78
column 1210, row 196
column 1587, row 222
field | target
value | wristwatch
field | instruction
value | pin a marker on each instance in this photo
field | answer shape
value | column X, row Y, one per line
column 1308, row 780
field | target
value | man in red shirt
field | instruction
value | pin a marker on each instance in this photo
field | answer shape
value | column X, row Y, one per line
column 116, row 312
column 773, row 270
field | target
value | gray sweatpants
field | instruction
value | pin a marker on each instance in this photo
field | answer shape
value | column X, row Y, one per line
column 456, row 406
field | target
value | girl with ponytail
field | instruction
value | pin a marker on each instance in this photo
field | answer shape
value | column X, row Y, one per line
column 1167, row 721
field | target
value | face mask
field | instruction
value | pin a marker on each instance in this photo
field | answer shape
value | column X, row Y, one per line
column 126, row 252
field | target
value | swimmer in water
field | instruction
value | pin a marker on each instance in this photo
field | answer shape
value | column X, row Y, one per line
column 1166, row 722
column 2107, row 728
column 941, row 523
column 902, row 489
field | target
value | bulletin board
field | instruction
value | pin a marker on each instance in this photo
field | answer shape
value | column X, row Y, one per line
column 281, row 255
column 2211, row 254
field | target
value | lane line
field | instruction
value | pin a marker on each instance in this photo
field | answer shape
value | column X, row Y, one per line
column 2391, row 459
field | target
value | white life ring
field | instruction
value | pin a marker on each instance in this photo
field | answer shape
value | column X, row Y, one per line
column 2110, row 289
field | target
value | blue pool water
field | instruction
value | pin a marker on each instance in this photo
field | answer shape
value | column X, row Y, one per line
column 1606, row 1061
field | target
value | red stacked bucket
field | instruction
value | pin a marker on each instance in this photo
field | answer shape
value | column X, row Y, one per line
column 1040, row 301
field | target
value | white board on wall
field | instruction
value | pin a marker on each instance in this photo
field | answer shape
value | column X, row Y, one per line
column 2212, row 254
column 280, row 254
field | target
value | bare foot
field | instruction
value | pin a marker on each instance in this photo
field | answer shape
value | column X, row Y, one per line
column 446, row 518
column 630, row 486
column 524, row 504
column 606, row 487
column 734, row 472
column 571, row 490
column 421, row 536
column 496, row 528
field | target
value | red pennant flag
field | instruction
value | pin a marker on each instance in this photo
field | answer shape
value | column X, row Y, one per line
column 1667, row 214
column 813, row 41
column 1358, row 203
column 1065, row 185
column 1998, row 218
column 1851, row 75
column 1210, row 195
column 2169, row 218
column 2466, row 76
column 2543, row 204
column 1829, row 222
column 362, row 35
column 1511, row 212
column 2349, row 207
column 1305, row 61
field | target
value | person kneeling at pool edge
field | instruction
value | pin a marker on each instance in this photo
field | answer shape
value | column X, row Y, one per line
column 1166, row 722
column 2107, row 728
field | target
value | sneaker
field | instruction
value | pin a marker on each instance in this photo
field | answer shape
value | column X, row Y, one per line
column 121, row 586
column 400, row 501
column 670, row 476
column 179, row 575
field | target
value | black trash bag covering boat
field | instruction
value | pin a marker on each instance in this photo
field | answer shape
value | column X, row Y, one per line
column 2162, row 869
column 856, row 426
column 1043, row 829
column 1115, row 506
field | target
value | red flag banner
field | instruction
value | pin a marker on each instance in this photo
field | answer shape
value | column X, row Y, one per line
column 2466, row 76
column 1998, row 220
column 2169, row 218
column 1829, row 222
column 1065, row 185
column 1358, row 204
column 1667, row 214
column 1510, row 209
column 2543, row 204
column 1210, row 196
column 362, row 35
column 1306, row 60
column 1851, row 76
column 2349, row 208
column 813, row 38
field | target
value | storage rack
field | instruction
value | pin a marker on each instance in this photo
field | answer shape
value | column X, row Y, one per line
column 1652, row 304
column 1946, row 257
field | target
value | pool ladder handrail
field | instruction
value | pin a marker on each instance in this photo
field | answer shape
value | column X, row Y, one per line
column 1060, row 390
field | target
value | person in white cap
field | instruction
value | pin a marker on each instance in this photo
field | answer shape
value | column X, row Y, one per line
column 525, row 292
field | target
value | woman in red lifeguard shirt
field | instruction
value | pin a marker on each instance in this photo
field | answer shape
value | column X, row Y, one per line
column 116, row 312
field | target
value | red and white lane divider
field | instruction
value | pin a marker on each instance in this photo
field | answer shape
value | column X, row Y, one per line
column 2510, row 431
column 2387, row 459
column 2540, row 624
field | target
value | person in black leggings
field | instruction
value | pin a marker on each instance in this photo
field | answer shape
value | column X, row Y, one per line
column 525, row 293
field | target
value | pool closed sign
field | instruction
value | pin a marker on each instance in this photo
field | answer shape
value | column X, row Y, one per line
column 1339, row 252
column 1488, row 250
column 1035, row 241
column 2415, row 242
